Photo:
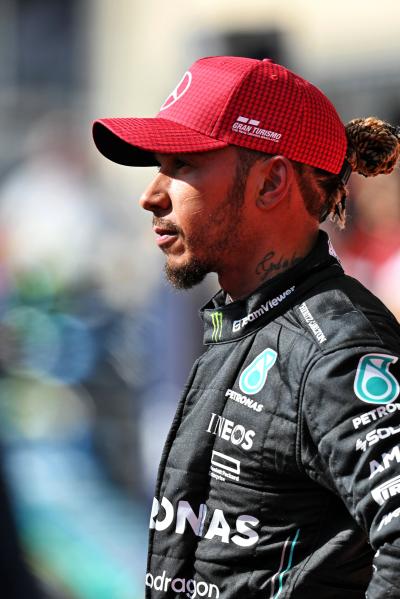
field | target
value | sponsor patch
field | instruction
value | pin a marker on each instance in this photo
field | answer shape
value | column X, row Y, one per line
column 228, row 430
column 374, row 415
column 179, row 91
column 248, row 126
column 387, row 518
column 263, row 309
column 385, row 461
column 378, row 434
column 216, row 319
column 183, row 519
column 312, row 324
column 388, row 489
column 223, row 467
column 244, row 401
column 188, row 587
column 374, row 383
column 253, row 378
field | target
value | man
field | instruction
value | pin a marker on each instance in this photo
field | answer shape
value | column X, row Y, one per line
column 280, row 476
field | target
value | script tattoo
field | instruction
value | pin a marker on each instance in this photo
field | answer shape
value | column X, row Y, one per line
column 270, row 266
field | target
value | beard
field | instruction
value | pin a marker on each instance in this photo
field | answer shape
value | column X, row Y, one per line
column 188, row 275
column 227, row 217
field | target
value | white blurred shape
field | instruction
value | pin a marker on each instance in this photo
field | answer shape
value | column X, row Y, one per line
column 45, row 218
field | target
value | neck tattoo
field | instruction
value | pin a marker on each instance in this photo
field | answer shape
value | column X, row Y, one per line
column 271, row 265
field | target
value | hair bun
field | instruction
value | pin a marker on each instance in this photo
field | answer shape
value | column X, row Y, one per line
column 373, row 146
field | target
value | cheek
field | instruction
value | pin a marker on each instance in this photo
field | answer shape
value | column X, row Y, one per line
column 185, row 198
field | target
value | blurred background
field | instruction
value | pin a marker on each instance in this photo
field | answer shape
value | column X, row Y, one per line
column 94, row 347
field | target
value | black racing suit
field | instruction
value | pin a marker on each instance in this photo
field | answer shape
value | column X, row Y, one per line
column 280, row 476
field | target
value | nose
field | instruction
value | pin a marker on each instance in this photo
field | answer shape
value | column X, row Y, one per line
column 156, row 196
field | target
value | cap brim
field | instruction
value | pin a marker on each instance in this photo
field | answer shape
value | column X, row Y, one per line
column 133, row 142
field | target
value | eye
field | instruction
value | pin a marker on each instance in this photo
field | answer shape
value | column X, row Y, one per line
column 172, row 164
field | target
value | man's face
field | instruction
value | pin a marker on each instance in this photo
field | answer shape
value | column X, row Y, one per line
column 197, row 201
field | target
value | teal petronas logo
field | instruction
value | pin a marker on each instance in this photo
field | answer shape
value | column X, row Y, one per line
column 216, row 319
column 374, row 383
column 253, row 378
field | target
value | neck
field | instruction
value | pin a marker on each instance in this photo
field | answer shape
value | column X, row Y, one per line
column 271, row 261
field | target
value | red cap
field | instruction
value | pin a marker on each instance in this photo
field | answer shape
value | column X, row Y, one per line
column 228, row 100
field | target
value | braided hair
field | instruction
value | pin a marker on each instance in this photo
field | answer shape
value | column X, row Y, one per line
column 373, row 146
column 373, row 149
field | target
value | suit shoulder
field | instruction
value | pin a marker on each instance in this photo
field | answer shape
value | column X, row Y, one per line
column 343, row 313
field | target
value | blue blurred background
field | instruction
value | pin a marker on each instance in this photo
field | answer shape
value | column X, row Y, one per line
column 94, row 347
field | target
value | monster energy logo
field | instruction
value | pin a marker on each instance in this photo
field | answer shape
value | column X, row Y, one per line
column 216, row 319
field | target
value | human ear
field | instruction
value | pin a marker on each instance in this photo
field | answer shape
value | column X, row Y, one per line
column 275, row 181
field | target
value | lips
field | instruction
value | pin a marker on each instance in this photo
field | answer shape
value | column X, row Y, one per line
column 165, row 236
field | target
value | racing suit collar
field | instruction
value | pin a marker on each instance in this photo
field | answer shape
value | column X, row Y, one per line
column 224, row 322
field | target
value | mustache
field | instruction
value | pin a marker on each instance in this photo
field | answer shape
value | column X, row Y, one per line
column 166, row 224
